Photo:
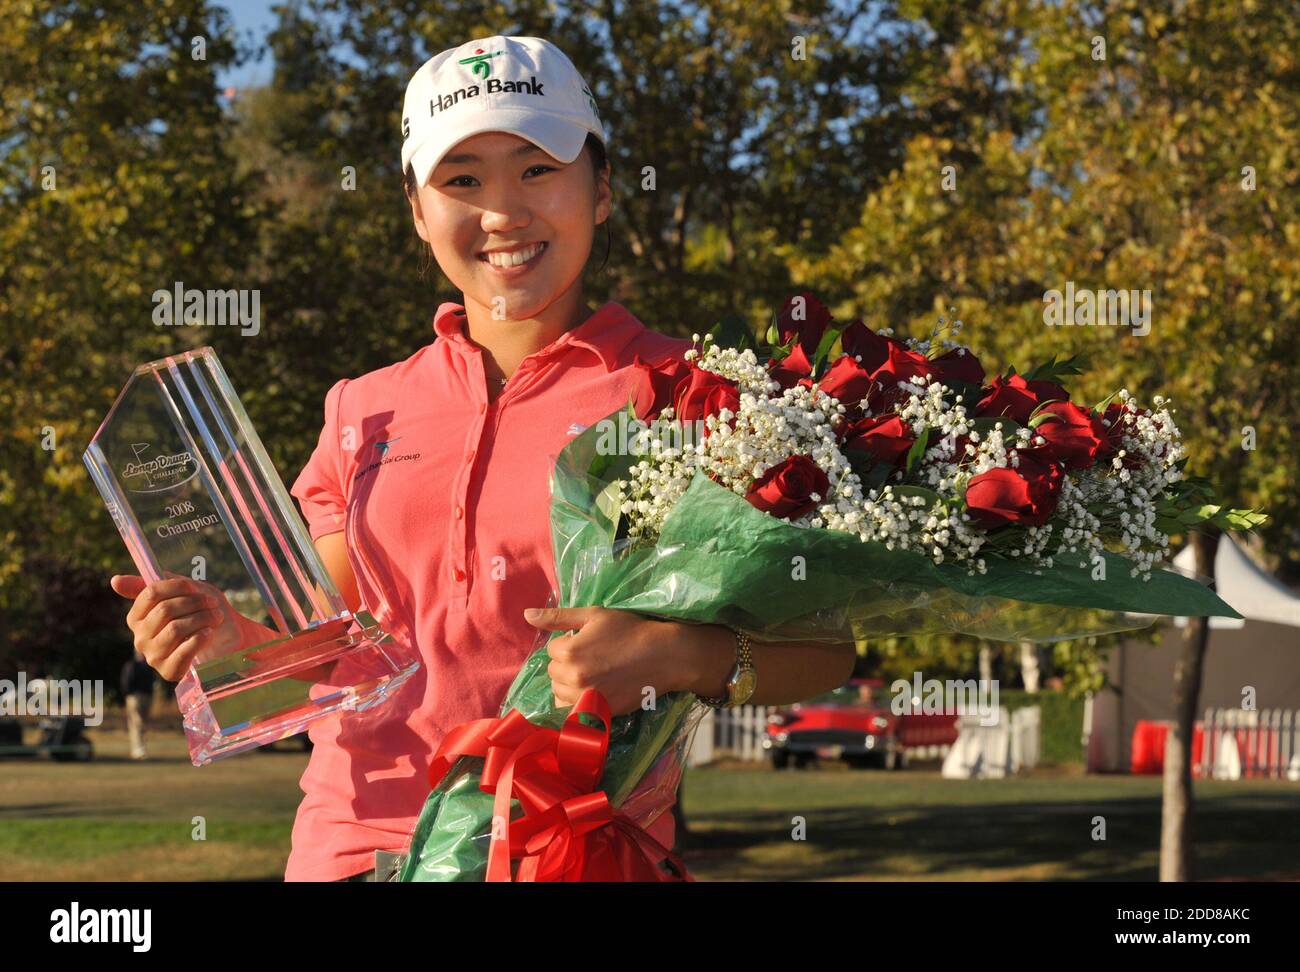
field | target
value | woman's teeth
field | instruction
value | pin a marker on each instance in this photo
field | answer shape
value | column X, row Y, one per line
column 514, row 257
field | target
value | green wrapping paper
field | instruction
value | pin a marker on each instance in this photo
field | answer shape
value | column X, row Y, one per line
column 718, row 560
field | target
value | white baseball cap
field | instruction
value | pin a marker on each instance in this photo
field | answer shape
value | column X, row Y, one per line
column 523, row 85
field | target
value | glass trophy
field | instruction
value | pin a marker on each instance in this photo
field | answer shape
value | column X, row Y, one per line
column 193, row 493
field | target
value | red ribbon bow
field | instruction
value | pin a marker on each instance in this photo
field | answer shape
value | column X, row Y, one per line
column 568, row 831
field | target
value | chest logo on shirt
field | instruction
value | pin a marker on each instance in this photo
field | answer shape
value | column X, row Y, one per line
column 381, row 455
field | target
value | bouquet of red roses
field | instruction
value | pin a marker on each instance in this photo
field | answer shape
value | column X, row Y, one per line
column 829, row 483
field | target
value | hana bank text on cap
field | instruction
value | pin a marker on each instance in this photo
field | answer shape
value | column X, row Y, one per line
column 522, row 85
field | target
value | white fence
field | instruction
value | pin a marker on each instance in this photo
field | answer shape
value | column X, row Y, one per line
column 1237, row 743
column 731, row 733
column 1009, row 745
column 1026, row 737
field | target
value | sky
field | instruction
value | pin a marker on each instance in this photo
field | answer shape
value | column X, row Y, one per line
column 255, row 17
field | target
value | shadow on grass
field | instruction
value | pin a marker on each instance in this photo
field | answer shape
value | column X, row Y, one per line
column 1235, row 837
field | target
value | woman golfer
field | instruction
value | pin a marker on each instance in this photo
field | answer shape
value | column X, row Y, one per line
column 427, row 493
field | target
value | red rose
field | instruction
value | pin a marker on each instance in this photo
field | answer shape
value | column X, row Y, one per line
column 1026, row 494
column 861, row 342
column 810, row 329
column 1074, row 435
column 703, row 393
column 1014, row 398
column 790, row 369
column 887, row 437
column 958, row 365
column 786, row 489
column 902, row 364
column 845, row 380
column 653, row 385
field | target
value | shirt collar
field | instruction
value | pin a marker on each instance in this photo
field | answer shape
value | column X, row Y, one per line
column 605, row 333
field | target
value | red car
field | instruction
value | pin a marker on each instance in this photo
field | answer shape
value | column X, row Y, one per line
column 854, row 723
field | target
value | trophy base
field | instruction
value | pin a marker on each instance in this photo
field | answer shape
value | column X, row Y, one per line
column 274, row 690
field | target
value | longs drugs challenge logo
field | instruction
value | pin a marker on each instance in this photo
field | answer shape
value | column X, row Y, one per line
column 161, row 472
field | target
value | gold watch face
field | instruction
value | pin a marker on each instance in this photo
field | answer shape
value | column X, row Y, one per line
column 743, row 687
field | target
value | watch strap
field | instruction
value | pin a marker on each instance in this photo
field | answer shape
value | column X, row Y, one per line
column 744, row 662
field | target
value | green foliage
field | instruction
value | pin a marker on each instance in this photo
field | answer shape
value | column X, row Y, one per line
column 1054, row 370
column 115, row 183
column 1060, row 726
column 918, row 449
column 732, row 331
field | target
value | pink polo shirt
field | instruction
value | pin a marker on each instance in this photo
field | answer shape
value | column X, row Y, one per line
column 449, row 538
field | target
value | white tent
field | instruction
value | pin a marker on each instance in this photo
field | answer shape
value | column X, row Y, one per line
column 1260, row 652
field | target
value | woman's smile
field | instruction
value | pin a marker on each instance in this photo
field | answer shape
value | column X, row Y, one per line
column 513, row 263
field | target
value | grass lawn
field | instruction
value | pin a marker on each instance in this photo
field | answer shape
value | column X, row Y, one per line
column 113, row 819
column 862, row 825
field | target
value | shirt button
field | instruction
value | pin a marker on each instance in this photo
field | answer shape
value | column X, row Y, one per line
column 459, row 512
column 470, row 455
column 458, row 574
column 482, row 407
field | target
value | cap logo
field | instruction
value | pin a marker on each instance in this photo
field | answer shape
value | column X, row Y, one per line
column 479, row 63
column 591, row 101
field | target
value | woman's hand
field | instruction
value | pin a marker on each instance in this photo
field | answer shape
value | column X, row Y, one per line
column 177, row 621
column 622, row 654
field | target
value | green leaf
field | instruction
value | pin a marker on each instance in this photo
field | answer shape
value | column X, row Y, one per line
column 1198, row 514
column 986, row 425
column 970, row 393
column 1168, row 524
column 1101, row 405
column 1038, row 413
column 927, row 494
column 918, row 449
column 1053, row 370
column 824, row 348
column 732, row 331
column 1239, row 519
column 873, row 473
column 1038, row 418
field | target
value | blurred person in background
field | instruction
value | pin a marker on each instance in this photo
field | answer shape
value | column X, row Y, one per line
column 137, row 685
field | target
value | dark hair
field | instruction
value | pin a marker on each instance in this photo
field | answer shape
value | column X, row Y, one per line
column 599, row 159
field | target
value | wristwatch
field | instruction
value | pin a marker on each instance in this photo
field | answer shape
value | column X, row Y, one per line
column 743, row 679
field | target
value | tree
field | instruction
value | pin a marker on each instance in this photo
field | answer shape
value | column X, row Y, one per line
column 114, row 184
column 1161, row 155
